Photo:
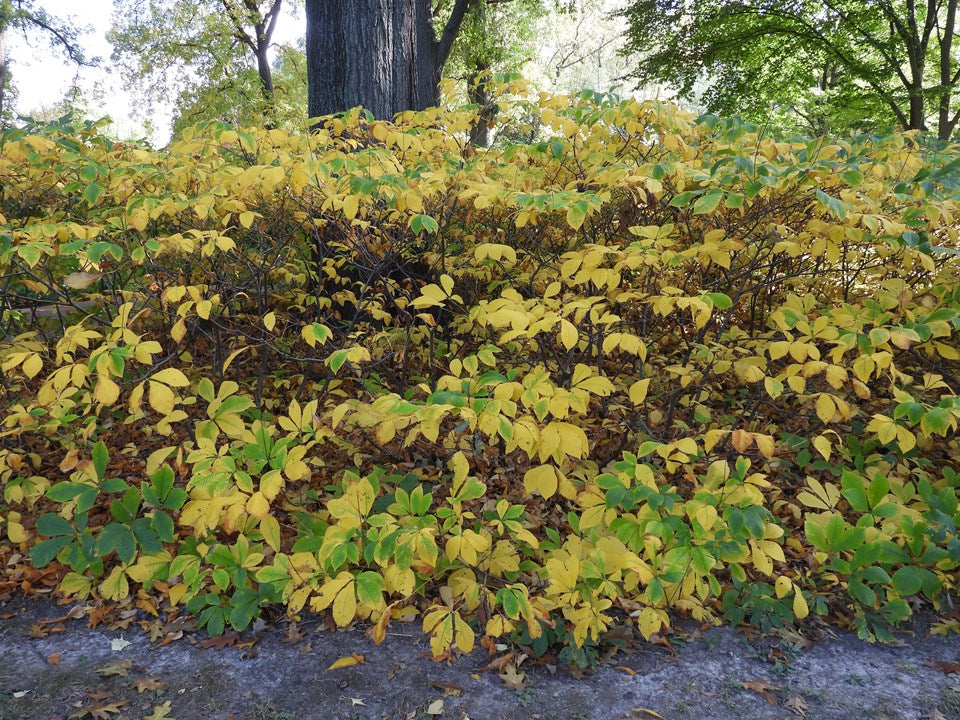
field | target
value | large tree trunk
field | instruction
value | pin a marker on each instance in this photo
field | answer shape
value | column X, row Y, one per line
column 381, row 54
column 377, row 53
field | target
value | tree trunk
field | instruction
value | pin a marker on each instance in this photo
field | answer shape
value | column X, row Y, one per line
column 478, row 91
column 266, row 74
column 380, row 54
column 6, row 13
column 944, row 124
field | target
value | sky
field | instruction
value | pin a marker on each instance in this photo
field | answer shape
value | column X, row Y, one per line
column 42, row 77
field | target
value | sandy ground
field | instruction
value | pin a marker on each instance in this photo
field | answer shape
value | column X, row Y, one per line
column 79, row 672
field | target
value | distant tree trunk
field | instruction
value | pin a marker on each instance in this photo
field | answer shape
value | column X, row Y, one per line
column 478, row 91
column 381, row 54
column 6, row 12
column 264, row 35
column 945, row 123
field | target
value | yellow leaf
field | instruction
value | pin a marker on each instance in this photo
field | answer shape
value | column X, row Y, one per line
column 823, row 446
column 161, row 398
column 348, row 661
column 115, row 587
column 269, row 321
column 345, row 606
column 171, row 377
column 825, row 407
column 800, row 607
column 568, row 334
column 649, row 622
column 203, row 309
column 32, row 365
column 246, row 219
column 783, row 586
column 351, row 206
column 106, row 391
column 638, row 391
column 542, row 479
column 270, row 529
column 258, row 505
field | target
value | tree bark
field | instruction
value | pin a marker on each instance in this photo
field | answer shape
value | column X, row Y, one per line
column 6, row 13
column 381, row 54
column 947, row 78
column 376, row 53
column 478, row 91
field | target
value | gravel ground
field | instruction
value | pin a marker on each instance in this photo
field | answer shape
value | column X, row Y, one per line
column 717, row 674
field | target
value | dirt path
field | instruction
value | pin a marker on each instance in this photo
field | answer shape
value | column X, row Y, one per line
column 838, row 678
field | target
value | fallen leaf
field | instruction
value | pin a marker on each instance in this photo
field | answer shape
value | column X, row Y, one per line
column 121, row 667
column 797, row 706
column 645, row 712
column 160, row 712
column 512, row 679
column 100, row 712
column 20, row 693
column 149, row 684
column 448, row 689
column 293, row 635
column 435, row 708
column 54, row 659
column 219, row 642
column 944, row 666
column 763, row 688
column 119, row 644
column 629, row 671
column 357, row 701
column 347, row 661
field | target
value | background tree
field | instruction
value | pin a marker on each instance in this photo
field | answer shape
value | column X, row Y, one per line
column 210, row 54
column 495, row 37
column 381, row 54
column 23, row 15
column 888, row 60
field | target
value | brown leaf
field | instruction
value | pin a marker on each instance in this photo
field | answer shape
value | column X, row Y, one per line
column 54, row 658
column 293, row 635
column 171, row 637
column 100, row 712
column 763, row 688
column 448, row 689
column 623, row 668
column 797, row 706
column 121, row 667
column 228, row 639
column 149, row 684
column 513, row 679
column 944, row 666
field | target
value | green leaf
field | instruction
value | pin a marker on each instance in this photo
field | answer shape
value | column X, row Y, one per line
column 370, row 588
column 100, row 457
column 719, row 300
column 43, row 553
column 117, row 537
column 907, row 580
column 52, row 525
column 708, row 203
column 92, row 192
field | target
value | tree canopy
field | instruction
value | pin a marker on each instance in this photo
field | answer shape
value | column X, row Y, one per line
column 24, row 15
column 836, row 64
column 211, row 58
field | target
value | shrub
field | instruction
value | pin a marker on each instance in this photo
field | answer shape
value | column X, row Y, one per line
column 645, row 365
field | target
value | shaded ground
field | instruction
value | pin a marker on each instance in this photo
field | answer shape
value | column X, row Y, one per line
column 286, row 678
